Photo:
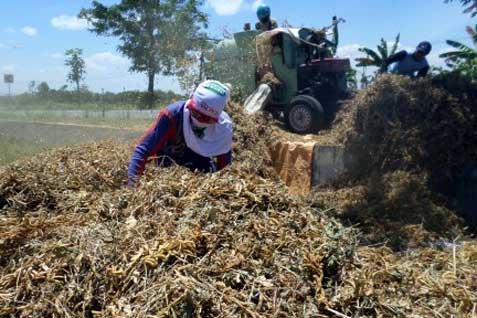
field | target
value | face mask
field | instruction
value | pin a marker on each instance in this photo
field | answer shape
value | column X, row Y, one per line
column 198, row 128
column 198, row 124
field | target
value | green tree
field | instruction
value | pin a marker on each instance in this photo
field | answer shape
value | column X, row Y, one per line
column 467, row 68
column 463, row 52
column 377, row 58
column 464, row 58
column 196, row 67
column 352, row 78
column 43, row 90
column 470, row 6
column 77, row 67
column 158, row 36
column 31, row 87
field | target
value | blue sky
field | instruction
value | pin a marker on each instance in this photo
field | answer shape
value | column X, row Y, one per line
column 34, row 34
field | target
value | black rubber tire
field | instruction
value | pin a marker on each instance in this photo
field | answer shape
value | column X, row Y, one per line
column 304, row 115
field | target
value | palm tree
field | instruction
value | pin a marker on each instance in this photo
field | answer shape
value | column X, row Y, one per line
column 463, row 52
column 472, row 6
column 351, row 78
column 472, row 33
column 377, row 58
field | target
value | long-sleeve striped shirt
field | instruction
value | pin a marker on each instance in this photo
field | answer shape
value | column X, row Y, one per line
column 164, row 141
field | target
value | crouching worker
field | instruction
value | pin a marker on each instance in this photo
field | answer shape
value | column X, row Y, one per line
column 410, row 64
column 196, row 134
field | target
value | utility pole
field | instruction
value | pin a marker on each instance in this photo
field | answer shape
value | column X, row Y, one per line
column 8, row 79
column 102, row 102
column 124, row 96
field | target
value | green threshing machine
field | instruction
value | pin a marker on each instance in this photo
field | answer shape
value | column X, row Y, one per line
column 312, row 80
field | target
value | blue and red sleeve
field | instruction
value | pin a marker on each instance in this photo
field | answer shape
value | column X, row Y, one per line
column 150, row 144
column 399, row 56
column 224, row 160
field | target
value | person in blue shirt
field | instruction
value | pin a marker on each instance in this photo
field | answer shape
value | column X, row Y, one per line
column 266, row 22
column 411, row 64
column 196, row 134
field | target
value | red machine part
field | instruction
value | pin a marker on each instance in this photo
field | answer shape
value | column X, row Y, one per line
column 333, row 65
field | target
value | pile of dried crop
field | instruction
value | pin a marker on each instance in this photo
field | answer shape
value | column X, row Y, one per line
column 413, row 125
column 396, row 209
column 431, row 282
column 74, row 242
column 410, row 140
column 251, row 138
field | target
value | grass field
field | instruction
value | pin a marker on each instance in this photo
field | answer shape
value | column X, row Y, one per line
column 13, row 149
column 63, row 106
column 22, row 136
column 133, row 124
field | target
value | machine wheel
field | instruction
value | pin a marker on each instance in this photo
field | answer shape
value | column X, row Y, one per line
column 304, row 115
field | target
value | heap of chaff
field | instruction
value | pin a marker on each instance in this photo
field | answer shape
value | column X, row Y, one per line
column 411, row 141
column 75, row 243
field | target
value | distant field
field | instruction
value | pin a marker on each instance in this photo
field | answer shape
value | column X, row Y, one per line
column 19, row 139
column 63, row 106
column 28, row 130
column 46, row 117
column 13, row 149
column 118, row 115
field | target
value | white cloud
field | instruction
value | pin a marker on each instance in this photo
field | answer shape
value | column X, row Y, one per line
column 105, row 61
column 67, row 22
column 231, row 7
column 435, row 60
column 57, row 55
column 8, row 68
column 30, row 31
column 349, row 51
column 225, row 7
column 256, row 3
column 352, row 50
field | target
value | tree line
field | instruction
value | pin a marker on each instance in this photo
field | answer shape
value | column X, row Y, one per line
column 43, row 94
